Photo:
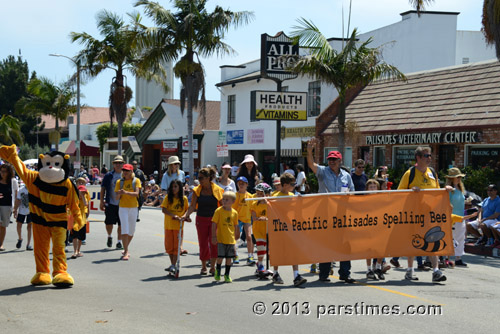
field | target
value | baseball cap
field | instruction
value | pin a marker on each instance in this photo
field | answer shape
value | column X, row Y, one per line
column 276, row 180
column 242, row 178
column 334, row 155
column 128, row 167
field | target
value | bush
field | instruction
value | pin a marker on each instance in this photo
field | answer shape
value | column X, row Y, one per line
column 32, row 152
column 476, row 180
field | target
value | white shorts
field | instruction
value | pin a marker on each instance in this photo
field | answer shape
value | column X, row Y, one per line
column 128, row 219
column 488, row 223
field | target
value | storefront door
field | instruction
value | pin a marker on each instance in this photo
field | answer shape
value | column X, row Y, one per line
column 446, row 156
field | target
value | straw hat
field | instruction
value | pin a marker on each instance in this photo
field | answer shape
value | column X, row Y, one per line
column 173, row 160
column 454, row 172
column 118, row 158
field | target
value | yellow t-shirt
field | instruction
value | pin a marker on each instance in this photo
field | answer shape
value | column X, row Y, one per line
column 422, row 180
column 259, row 227
column 226, row 222
column 177, row 208
column 279, row 193
column 84, row 208
column 128, row 201
column 243, row 207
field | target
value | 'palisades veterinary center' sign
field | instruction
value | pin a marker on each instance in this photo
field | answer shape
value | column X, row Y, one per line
column 423, row 138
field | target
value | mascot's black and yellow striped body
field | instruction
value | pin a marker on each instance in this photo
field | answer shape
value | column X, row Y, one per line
column 50, row 194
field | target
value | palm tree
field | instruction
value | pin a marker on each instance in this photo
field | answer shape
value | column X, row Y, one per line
column 47, row 98
column 352, row 66
column 10, row 131
column 116, row 51
column 490, row 21
column 192, row 31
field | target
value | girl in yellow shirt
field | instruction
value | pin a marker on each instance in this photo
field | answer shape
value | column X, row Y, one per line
column 174, row 206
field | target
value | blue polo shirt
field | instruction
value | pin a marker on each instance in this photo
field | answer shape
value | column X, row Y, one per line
column 490, row 207
column 329, row 182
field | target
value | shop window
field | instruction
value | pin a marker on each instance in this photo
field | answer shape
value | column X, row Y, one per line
column 231, row 109
column 314, row 99
column 378, row 156
column 403, row 157
column 446, row 156
column 484, row 156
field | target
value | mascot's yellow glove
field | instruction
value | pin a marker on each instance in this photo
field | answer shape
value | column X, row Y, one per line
column 7, row 151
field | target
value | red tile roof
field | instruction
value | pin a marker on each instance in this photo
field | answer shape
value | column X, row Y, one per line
column 88, row 115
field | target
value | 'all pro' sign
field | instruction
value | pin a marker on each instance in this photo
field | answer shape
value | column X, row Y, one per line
column 285, row 106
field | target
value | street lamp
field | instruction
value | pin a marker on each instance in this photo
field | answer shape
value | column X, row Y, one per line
column 77, row 64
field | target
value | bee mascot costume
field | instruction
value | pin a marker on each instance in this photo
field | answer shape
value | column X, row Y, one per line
column 50, row 193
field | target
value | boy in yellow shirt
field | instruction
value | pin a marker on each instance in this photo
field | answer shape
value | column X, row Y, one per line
column 287, row 181
column 244, row 216
column 225, row 232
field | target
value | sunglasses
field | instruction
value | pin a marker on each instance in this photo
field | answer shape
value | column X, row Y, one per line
column 427, row 155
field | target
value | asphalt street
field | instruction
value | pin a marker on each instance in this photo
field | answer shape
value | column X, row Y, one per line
column 136, row 296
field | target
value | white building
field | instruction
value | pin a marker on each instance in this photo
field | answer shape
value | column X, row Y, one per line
column 413, row 44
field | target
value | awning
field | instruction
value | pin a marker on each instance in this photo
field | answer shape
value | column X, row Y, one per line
column 291, row 152
column 89, row 148
column 68, row 147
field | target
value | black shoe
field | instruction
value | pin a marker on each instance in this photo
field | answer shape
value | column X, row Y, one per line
column 19, row 243
column 277, row 278
column 29, row 248
column 324, row 279
column 481, row 241
column 110, row 242
column 460, row 263
column 299, row 280
column 119, row 245
column 371, row 275
column 138, row 219
column 380, row 274
column 348, row 280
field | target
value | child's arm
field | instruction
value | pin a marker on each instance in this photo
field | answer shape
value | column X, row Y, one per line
column 168, row 213
column 236, row 232
column 16, row 206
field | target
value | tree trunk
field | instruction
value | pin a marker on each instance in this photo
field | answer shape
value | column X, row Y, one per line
column 120, row 124
column 57, row 130
column 190, row 137
column 341, row 120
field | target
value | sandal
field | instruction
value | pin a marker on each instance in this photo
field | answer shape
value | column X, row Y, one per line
column 125, row 257
column 73, row 256
column 79, row 255
column 203, row 272
column 184, row 252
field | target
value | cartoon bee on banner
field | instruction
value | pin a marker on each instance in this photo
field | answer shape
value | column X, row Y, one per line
column 431, row 242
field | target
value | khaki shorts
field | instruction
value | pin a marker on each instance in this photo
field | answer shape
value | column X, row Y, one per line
column 5, row 212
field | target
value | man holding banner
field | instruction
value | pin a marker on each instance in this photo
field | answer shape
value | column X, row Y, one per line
column 422, row 176
column 331, row 179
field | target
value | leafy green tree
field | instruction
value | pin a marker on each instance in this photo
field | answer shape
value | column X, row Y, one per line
column 183, row 36
column 116, row 51
column 47, row 98
column 10, row 131
column 14, row 77
column 107, row 130
column 356, row 64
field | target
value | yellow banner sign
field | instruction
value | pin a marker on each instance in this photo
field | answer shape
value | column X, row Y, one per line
column 325, row 228
column 302, row 132
column 285, row 115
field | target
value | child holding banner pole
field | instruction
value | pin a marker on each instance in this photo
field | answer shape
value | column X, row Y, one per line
column 259, row 217
column 374, row 185
column 287, row 181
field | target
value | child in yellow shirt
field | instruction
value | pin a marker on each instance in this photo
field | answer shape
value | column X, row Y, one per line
column 225, row 232
column 287, row 181
column 174, row 206
column 244, row 216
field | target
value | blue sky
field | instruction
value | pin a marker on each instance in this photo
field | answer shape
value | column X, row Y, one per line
column 42, row 27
